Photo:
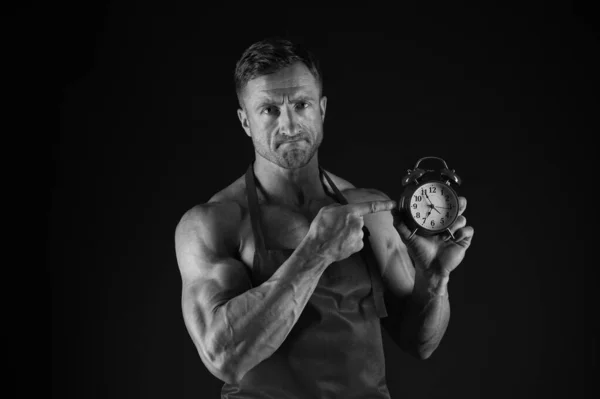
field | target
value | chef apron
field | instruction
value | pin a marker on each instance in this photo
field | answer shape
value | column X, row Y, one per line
column 335, row 349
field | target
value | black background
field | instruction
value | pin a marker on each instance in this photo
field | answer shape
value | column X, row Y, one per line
column 148, row 128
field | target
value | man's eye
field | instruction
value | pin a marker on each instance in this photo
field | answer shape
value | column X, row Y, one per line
column 269, row 110
column 302, row 105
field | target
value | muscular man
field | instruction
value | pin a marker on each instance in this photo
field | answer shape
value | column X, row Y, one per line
column 288, row 270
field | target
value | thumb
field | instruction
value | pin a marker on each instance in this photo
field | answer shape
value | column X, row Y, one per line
column 405, row 232
column 399, row 224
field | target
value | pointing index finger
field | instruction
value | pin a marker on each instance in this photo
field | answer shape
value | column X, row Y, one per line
column 364, row 208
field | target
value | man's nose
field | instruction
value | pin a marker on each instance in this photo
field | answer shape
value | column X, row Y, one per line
column 287, row 122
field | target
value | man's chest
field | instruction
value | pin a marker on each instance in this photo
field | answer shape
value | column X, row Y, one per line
column 282, row 228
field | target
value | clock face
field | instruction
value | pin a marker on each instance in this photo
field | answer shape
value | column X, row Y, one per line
column 434, row 206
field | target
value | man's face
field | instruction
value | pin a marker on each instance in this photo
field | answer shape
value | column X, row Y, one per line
column 283, row 113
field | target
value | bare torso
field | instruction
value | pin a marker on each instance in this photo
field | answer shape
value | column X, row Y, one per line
column 220, row 239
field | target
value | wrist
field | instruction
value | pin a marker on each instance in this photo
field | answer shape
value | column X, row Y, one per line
column 313, row 251
column 430, row 284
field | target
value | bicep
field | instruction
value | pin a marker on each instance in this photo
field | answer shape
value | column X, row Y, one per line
column 398, row 278
column 395, row 265
column 210, row 274
column 214, row 284
column 397, row 270
column 203, row 296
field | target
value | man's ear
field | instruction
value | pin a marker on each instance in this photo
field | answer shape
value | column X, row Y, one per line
column 243, row 117
column 323, row 106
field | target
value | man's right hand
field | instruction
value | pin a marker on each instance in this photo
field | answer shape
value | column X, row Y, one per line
column 337, row 229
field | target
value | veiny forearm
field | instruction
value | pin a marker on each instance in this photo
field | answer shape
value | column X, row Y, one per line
column 253, row 325
column 426, row 315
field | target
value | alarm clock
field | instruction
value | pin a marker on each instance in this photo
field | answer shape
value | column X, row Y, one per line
column 429, row 199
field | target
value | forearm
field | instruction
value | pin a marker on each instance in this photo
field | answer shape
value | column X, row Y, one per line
column 426, row 315
column 253, row 325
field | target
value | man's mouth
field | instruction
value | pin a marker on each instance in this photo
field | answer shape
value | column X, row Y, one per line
column 291, row 142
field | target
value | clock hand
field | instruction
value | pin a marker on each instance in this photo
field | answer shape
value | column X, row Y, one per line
column 431, row 205
column 427, row 196
column 425, row 218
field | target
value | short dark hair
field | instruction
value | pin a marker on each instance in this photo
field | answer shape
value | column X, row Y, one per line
column 269, row 56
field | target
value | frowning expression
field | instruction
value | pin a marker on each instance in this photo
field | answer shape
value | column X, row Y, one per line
column 283, row 113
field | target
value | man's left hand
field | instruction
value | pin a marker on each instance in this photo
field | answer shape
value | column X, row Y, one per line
column 438, row 255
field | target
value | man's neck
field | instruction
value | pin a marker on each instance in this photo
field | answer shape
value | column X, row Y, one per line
column 295, row 188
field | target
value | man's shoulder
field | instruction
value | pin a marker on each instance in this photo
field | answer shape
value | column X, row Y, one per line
column 222, row 211
column 357, row 194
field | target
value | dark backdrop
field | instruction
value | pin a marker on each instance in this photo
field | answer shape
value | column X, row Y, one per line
column 148, row 128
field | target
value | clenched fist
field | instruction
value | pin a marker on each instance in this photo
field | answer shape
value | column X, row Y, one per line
column 337, row 229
